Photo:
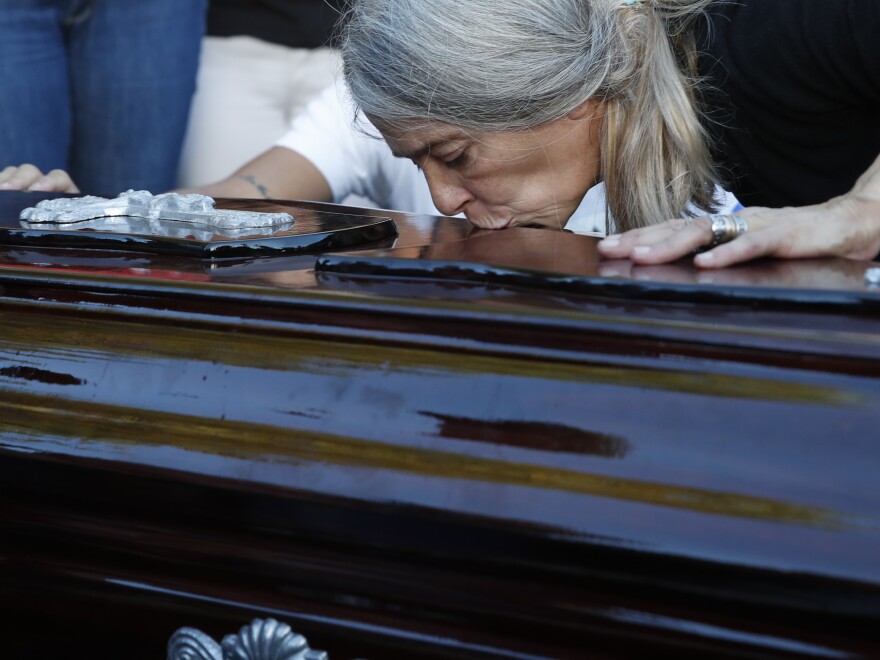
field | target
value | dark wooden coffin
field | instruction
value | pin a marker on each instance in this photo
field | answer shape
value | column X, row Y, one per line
column 450, row 443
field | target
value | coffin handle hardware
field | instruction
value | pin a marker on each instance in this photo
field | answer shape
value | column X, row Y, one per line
column 263, row 639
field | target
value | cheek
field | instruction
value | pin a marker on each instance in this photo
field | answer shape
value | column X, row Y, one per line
column 533, row 185
column 501, row 191
column 530, row 184
column 531, row 195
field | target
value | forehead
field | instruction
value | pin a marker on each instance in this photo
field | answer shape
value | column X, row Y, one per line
column 408, row 139
column 419, row 138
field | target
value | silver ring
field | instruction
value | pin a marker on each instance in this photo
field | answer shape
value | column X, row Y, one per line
column 727, row 227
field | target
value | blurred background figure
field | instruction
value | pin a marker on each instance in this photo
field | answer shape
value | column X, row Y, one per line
column 262, row 62
column 101, row 88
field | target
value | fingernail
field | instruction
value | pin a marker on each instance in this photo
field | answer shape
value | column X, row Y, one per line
column 704, row 258
column 5, row 185
column 609, row 273
column 610, row 241
column 642, row 250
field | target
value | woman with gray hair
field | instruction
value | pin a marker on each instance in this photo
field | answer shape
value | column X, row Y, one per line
column 514, row 109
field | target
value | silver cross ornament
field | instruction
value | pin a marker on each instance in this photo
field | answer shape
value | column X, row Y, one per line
column 138, row 211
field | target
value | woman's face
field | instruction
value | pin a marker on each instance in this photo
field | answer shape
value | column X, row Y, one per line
column 537, row 176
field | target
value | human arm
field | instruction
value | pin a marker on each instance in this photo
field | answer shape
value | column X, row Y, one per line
column 323, row 157
column 845, row 226
column 278, row 173
column 797, row 104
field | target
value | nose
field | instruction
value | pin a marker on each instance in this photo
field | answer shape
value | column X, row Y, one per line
column 449, row 195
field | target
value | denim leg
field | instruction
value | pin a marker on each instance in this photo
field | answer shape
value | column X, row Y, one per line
column 133, row 71
column 34, row 92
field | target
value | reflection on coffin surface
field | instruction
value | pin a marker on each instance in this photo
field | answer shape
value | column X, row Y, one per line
column 436, row 443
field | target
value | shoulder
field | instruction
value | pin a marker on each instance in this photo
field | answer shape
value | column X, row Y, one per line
column 778, row 77
column 817, row 47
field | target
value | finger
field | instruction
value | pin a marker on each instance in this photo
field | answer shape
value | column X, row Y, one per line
column 619, row 246
column 22, row 178
column 7, row 173
column 613, row 247
column 744, row 248
column 55, row 181
column 675, row 246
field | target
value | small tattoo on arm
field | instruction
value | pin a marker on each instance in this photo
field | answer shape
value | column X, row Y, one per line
column 264, row 191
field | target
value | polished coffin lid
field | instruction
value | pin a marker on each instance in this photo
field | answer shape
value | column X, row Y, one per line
column 456, row 440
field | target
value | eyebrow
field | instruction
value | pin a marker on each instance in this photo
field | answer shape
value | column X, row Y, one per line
column 424, row 151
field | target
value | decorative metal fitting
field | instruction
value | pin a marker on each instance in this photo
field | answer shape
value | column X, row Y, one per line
column 263, row 639
column 138, row 211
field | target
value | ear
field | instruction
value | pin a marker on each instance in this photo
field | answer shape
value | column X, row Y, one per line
column 588, row 109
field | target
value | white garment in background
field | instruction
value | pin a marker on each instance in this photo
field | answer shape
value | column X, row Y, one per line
column 354, row 159
column 247, row 93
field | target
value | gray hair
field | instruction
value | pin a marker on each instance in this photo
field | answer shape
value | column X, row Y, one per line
column 508, row 65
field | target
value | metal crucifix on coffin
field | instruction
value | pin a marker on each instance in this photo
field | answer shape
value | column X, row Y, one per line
column 140, row 212
column 189, row 225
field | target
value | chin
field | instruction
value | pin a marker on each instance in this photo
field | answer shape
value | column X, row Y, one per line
column 543, row 221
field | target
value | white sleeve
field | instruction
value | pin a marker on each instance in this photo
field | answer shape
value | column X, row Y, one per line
column 589, row 217
column 347, row 153
column 727, row 201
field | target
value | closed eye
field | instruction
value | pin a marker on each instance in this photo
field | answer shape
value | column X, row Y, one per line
column 457, row 160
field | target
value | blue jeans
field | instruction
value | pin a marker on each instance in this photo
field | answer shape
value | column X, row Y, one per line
column 101, row 88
